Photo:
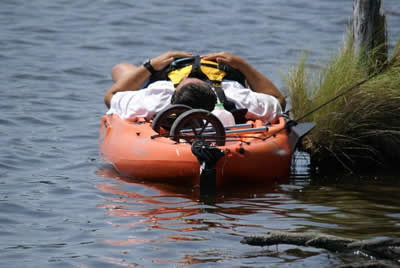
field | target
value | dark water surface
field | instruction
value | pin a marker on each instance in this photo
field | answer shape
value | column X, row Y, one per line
column 60, row 206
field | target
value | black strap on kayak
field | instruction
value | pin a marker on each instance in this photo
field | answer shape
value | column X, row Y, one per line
column 196, row 69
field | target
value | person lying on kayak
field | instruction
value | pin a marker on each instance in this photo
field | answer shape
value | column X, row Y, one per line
column 130, row 100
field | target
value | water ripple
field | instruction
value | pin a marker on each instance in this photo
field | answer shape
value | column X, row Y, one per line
column 57, row 205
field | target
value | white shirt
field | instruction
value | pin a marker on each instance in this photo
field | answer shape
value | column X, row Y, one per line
column 148, row 101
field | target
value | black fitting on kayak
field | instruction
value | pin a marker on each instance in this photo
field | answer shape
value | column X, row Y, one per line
column 291, row 123
column 208, row 158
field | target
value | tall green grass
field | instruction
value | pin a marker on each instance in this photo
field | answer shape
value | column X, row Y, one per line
column 361, row 128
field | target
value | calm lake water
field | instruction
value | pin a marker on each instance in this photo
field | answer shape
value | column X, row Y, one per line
column 61, row 206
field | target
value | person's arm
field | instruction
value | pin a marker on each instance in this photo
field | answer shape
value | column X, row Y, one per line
column 256, row 80
column 130, row 81
column 135, row 78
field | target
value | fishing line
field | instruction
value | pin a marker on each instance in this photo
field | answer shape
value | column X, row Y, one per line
column 337, row 96
column 292, row 123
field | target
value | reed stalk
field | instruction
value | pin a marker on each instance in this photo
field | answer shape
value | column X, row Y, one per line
column 361, row 128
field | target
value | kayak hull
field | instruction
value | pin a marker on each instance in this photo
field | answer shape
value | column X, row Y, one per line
column 249, row 157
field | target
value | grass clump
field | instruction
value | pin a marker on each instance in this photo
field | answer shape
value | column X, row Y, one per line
column 362, row 127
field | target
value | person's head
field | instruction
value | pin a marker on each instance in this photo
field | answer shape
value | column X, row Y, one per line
column 194, row 93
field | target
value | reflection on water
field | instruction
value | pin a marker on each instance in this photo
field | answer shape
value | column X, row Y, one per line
column 355, row 207
column 165, row 217
column 157, row 204
column 57, row 58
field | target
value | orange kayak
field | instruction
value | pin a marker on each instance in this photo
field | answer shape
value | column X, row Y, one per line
column 248, row 153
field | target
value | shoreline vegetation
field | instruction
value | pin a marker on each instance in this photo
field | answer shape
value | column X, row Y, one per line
column 354, row 99
column 360, row 130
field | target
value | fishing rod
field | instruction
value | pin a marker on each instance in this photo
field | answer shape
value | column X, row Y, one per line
column 337, row 96
column 289, row 124
column 294, row 122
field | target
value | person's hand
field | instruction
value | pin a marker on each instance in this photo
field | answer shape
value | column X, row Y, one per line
column 167, row 58
column 226, row 58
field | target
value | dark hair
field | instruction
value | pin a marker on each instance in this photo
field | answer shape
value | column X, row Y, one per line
column 195, row 95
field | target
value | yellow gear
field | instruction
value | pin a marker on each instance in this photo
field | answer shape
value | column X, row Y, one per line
column 208, row 68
